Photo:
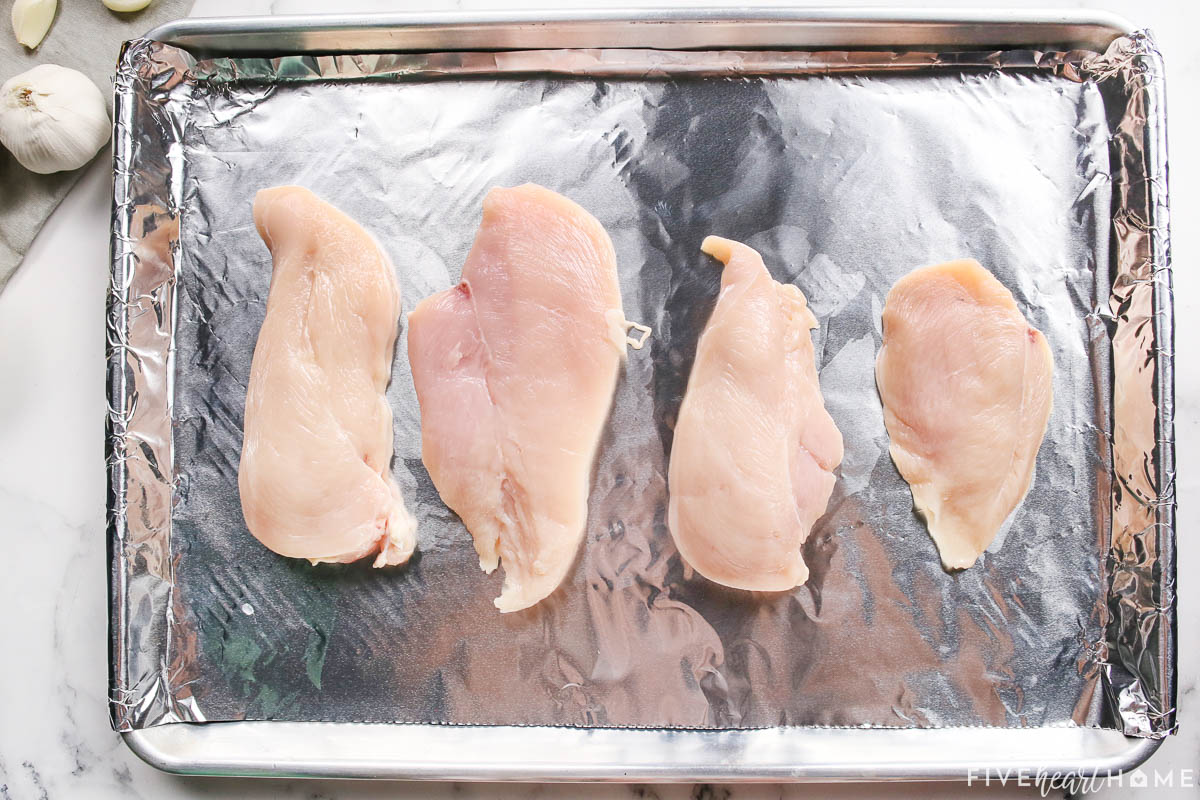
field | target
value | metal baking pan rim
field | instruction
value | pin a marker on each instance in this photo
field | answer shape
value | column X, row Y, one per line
column 710, row 28
column 243, row 749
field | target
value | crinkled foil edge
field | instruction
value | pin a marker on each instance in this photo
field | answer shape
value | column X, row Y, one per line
column 152, row 86
column 1139, row 674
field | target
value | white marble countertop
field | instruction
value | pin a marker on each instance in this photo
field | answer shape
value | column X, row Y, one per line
column 55, row 740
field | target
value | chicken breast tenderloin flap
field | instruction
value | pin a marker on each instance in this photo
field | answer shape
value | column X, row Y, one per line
column 754, row 451
column 966, row 389
column 515, row 370
column 315, row 476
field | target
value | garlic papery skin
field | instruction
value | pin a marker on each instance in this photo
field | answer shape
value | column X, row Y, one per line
column 31, row 19
column 125, row 6
column 52, row 118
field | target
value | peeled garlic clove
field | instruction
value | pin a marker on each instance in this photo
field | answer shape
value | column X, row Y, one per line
column 52, row 118
column 31, row 19
column 125, row 6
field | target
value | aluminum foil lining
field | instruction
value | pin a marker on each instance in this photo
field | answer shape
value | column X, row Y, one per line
column 845, row 170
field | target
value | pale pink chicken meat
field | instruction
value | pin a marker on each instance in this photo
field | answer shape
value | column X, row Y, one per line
column 966, row 389
column 515, row 370
column 315, row 476
column 754, row 453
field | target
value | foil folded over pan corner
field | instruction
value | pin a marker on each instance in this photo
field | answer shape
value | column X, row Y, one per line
column 206, row 625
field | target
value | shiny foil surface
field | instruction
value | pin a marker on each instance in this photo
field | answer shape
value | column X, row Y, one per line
column 845, row 170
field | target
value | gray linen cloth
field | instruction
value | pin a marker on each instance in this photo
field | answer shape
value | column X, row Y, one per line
column 85, row 36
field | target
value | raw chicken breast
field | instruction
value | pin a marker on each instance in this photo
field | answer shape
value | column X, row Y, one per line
column 315, row 476
column 966, row 390
column 515, row 370
column 754, row 450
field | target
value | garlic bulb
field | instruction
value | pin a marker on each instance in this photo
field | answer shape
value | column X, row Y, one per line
column 52, row 118
column 125, row 6
column 31, row 19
